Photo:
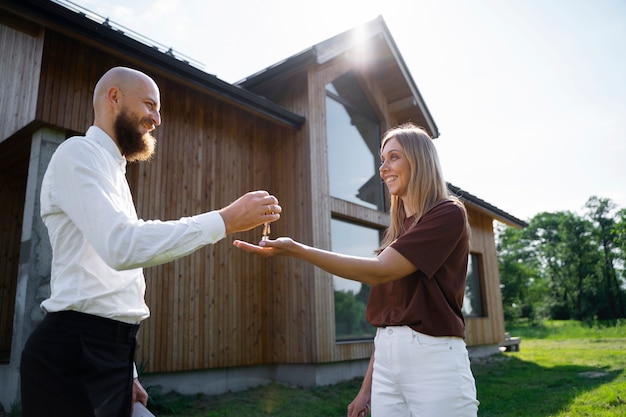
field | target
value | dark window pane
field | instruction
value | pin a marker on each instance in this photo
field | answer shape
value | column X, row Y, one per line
column 473, row 303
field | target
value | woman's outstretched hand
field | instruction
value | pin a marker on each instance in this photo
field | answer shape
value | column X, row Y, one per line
column 268, row 248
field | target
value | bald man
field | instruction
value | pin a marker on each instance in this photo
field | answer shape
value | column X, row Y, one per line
column 79, row 361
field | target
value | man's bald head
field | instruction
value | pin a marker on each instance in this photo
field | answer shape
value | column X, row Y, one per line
column 127, row 107
column 125, row 79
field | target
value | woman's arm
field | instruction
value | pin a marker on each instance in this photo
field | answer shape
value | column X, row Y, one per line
column 386, row 267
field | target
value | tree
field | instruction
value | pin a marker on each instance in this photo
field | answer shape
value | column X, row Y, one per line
column 564, row 265
column 519, row 274
column 600, row 211
column 551, row 241
column 581, row 256
column 619, row 231
column 349, row 314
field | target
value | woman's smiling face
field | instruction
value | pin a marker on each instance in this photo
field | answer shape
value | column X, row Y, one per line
column 394, row 168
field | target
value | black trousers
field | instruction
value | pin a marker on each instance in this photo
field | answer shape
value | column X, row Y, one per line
column 78, row 365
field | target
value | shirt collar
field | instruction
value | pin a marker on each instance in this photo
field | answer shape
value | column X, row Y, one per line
column 104, row 140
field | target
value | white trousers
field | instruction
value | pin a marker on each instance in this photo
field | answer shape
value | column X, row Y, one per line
column 416, row 375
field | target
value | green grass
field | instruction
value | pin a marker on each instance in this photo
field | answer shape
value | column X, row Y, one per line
column 569, row 329
column 564, row 369
column 556, row 378
column 268, row 400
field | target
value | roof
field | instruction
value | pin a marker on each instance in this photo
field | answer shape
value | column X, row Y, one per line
column 378, row 55
column 487, row 208
column 104, row 35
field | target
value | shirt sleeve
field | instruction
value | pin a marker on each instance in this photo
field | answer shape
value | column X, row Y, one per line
column 429, row 243
column 97, row 200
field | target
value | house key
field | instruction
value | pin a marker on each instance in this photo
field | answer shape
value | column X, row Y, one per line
column 266, row 231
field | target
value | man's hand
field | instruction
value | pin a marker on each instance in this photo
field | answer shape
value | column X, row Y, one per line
column 249, row 211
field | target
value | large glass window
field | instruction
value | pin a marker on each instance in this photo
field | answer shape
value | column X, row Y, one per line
column 473, row 301
column 351, row 296
column 353, row 135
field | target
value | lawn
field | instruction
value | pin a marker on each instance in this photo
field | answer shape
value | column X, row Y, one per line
column 555, row 378
column 564, row 369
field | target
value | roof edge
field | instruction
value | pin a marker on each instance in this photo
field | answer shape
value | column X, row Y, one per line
column 332, row 47
column 61, row 19
column 482, row 205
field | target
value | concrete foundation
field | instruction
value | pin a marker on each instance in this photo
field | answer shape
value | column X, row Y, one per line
column 219, row 381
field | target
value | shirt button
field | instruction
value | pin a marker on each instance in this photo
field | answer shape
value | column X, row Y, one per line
column 389, row 331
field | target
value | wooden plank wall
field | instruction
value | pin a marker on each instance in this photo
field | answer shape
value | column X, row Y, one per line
column 19, row 73
column 322, row 294
column 490, row 328
column 308, row 307
column 70, row 70
column 315, row 312
column 210, row 309
column 293, row 281
column 214, row 308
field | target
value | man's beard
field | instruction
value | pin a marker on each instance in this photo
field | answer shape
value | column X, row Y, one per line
column 134, row 145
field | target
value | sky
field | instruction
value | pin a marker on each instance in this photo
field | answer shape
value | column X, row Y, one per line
column 529, row 95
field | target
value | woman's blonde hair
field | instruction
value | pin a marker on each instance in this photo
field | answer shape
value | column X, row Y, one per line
column 426, row 187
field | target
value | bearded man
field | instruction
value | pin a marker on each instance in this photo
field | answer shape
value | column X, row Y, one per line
column 79, row 361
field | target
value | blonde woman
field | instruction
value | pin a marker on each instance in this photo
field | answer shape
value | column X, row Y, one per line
column 420, row 364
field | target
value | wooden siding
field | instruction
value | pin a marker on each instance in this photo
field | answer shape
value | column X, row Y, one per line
column 216, row 307
column 213, row 308
column 19, row 73
column 209, row 308
column 293, row 325
column 70, row 70
column 487, row 330
column 315, row 313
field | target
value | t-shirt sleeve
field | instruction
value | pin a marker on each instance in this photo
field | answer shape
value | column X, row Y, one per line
column 429, row 243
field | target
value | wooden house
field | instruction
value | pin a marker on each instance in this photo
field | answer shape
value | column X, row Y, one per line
column 306, row 129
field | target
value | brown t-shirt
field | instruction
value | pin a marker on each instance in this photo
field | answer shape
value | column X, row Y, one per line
column 430, row 299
